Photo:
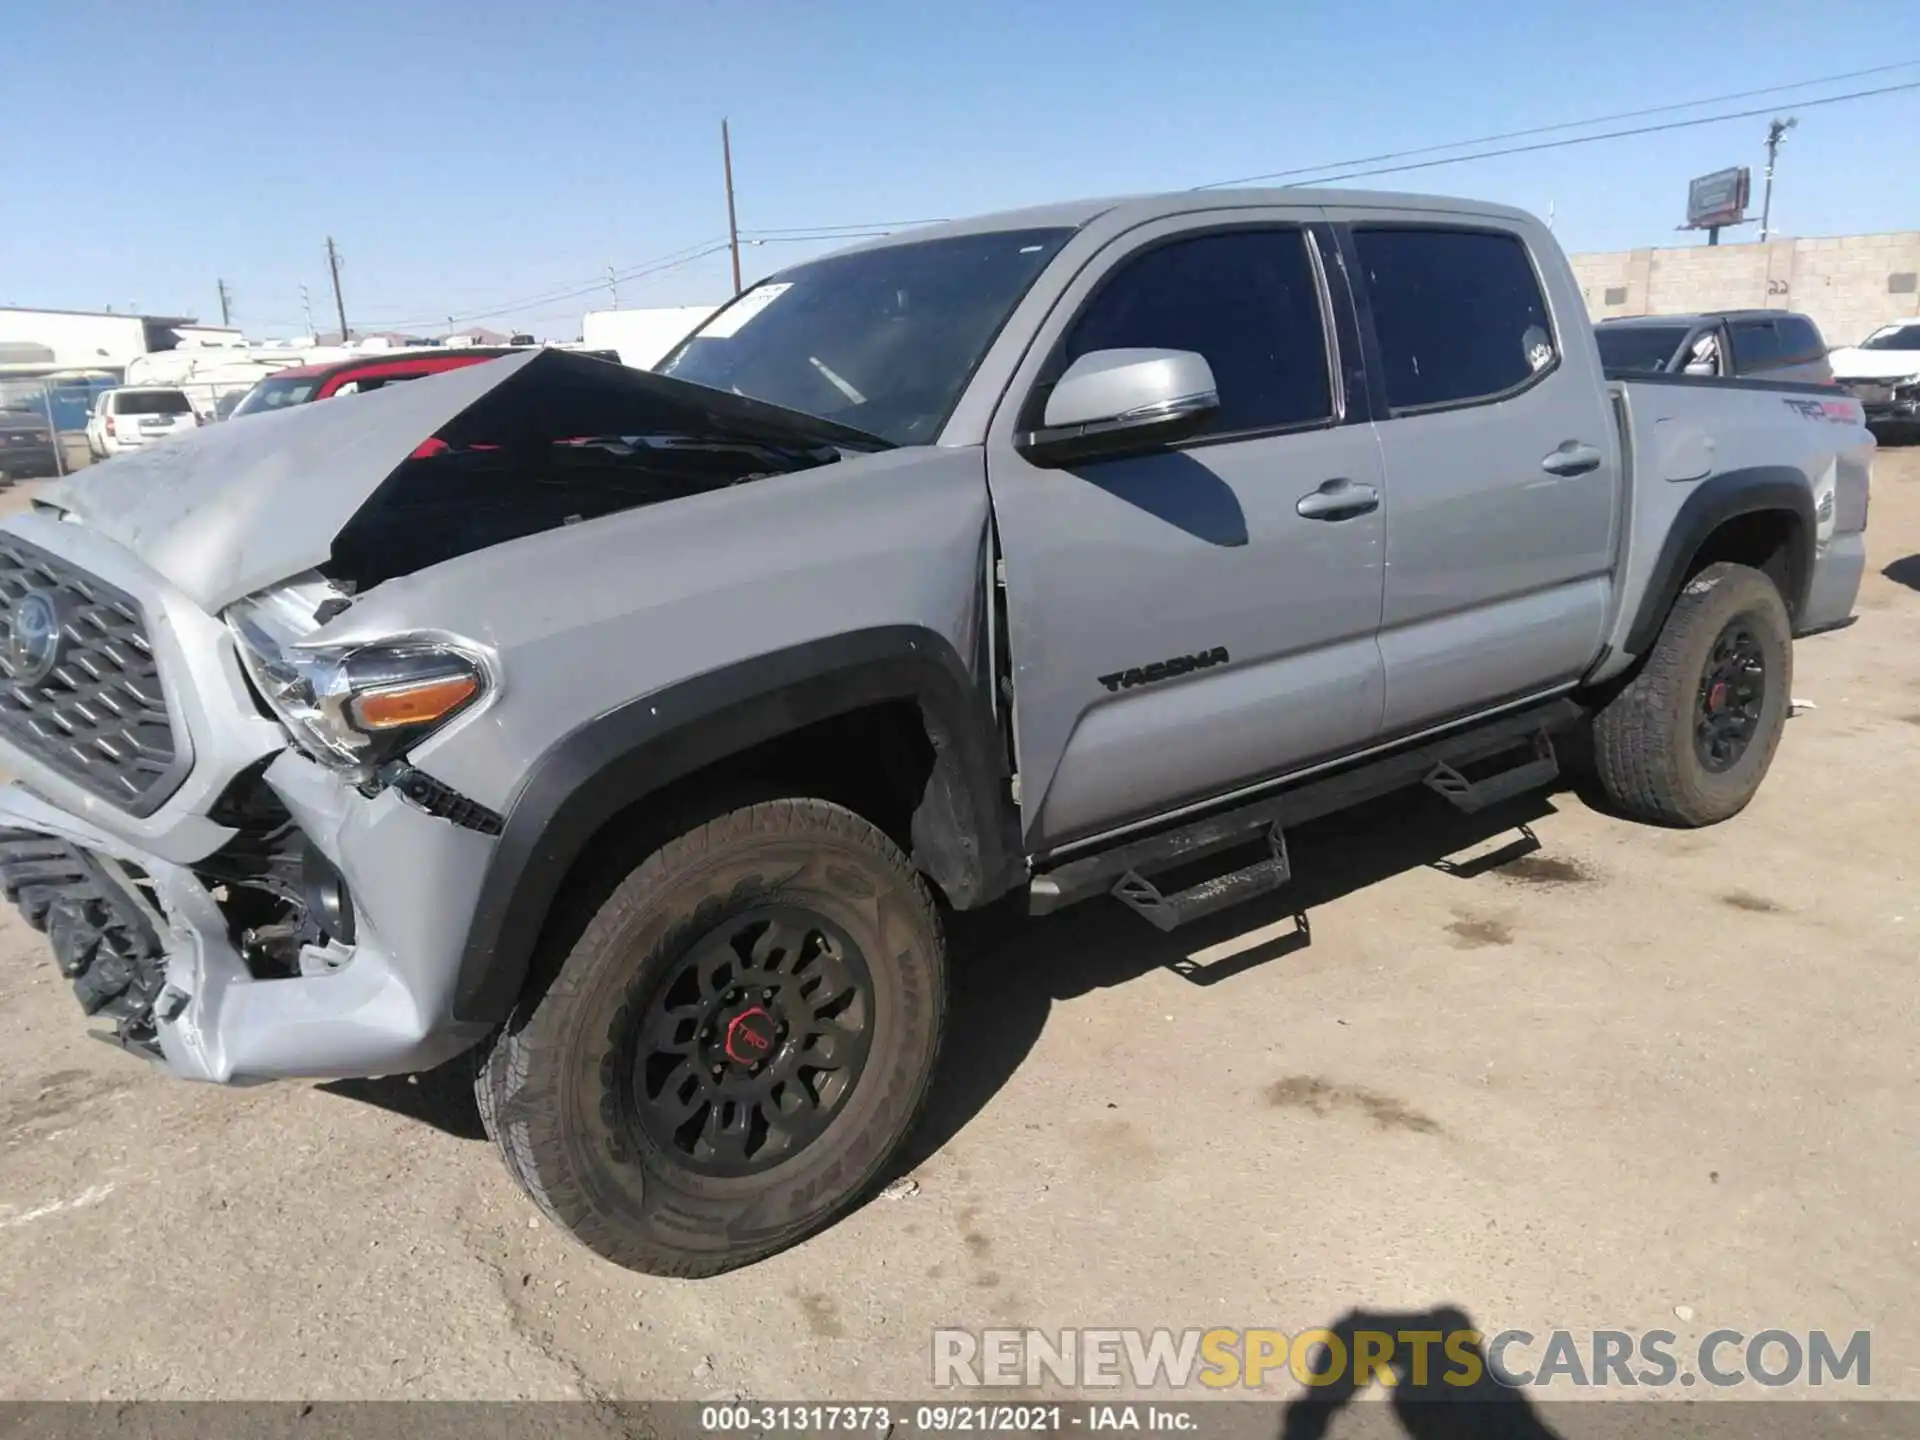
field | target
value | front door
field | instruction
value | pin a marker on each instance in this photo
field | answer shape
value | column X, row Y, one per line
column 1179, row 625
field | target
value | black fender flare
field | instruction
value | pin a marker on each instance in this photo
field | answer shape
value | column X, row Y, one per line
column 1712, row 504
column 965, row 836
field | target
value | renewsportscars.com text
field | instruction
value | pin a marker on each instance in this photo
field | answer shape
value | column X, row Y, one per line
column 1252, row 1359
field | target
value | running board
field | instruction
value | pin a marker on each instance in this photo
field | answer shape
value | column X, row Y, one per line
column 1169, row 912
column 1472, row 796
column 1123, row 870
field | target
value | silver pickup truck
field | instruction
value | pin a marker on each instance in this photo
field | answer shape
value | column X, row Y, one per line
column 634, row 730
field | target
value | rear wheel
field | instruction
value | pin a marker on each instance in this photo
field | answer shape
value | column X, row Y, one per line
column 733, row 1048
column 1689, row 739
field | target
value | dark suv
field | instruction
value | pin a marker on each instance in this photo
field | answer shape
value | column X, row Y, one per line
column 1760, row 344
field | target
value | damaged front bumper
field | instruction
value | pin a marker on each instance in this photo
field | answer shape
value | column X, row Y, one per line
column 199, row 926
column 380, row 1006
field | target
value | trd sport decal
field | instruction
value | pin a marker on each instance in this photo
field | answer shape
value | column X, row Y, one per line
column 1837, row 412
column 1164, row 669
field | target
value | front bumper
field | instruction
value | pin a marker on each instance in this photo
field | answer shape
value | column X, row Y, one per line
column 382, row 1005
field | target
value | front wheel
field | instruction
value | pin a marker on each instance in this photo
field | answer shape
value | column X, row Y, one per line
column 734, row 1047
column 1688, row 741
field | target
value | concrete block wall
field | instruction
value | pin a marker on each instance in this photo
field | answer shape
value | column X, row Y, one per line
column 1851, row 284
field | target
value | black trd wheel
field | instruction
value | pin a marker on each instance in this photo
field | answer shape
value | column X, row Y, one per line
column 1689, row 740
column 735, row 1045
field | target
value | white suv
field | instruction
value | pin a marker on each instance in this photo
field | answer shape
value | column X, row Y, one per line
column 136, row 415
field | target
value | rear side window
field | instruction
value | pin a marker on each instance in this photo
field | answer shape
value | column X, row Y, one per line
column 1756, row 346
column 1247, row 300
column 1458, row 313
column 151, row 402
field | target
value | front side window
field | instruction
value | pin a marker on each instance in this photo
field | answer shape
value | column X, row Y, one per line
column 1459, row 313
column 1756, row 346
column 1246, row 300
column 1645, row 348
column 1800, row 338
column 884, row 340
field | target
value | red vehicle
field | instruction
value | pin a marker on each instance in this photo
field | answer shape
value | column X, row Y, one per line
column 365, row 372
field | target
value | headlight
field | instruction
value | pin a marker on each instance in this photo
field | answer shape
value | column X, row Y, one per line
column 352, row 708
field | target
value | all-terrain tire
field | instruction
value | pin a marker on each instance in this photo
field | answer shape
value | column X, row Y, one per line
column 115, row 962
column 558, row 1088
column 1644, row 746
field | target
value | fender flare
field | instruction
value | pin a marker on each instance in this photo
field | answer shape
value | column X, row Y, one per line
column 1713, row 502
column 964, row 836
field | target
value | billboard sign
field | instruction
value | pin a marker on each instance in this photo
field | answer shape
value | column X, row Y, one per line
column 1719, row 198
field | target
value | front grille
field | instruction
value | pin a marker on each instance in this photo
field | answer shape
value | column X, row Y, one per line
column 88, row 704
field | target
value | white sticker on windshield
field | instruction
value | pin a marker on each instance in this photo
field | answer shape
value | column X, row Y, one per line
column 730, row 321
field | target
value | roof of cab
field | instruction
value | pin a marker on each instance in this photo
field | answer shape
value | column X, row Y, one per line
column 1138, row 209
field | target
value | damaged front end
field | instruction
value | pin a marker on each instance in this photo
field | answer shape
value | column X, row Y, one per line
column 216, row 815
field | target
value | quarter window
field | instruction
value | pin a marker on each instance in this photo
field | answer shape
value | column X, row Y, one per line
column 1458, row 313
column 1247, row 300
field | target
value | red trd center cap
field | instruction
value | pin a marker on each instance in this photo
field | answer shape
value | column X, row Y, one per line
column 750, row 1037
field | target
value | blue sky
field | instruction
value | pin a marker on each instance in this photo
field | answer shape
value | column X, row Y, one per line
column 467, row 155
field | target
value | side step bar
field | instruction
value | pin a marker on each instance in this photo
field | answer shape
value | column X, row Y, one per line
column 1169, row 912
column 1125, row 870
column 1472, row 796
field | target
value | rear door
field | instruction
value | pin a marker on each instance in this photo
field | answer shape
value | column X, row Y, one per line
column 1178, row 628
column 1502, row 461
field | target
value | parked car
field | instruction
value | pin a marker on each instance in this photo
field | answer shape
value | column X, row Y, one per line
column 131, row 416
column 1761, row 344
column 363, row 373
column 26, row 445
column 1883, row 373
column 634, row 733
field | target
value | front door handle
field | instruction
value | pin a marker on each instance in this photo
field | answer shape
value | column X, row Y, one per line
column 1338, row 500
column 1574, row 457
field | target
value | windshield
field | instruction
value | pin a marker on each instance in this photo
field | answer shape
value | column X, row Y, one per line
column 1638, row 347
column 883, row 340
column 1894, row 337
column 152, row 402
column 276, row 394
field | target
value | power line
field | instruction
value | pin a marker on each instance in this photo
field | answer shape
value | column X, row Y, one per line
column 1608, row 135
column 1564, row 125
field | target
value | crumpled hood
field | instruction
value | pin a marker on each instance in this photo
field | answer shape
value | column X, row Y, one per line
column 1855, row 364
column 250, row 502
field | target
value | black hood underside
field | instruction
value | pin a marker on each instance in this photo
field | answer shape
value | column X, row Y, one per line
column 563, row 440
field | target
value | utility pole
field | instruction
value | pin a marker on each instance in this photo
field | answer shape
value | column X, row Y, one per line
column 1776, row 132
column 306, row 309
column 733, row 227
column 613, row 286
column 226, row 304
column 339, row 304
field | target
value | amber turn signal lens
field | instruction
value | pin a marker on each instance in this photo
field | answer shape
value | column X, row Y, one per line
column 419, row 704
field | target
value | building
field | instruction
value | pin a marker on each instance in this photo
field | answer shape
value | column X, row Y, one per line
column 46, row 342
column 1849, row 285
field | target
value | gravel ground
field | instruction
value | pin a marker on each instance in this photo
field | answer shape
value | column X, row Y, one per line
column 1629, row 1078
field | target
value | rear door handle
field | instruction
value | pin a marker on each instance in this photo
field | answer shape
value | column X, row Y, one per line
column 1338, row 500
column 1574, row 457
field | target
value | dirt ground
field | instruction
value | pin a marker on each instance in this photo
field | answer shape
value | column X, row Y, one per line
column 1545, row 1067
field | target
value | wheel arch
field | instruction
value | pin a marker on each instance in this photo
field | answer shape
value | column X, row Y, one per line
column 963, row 832
column 1761, row 516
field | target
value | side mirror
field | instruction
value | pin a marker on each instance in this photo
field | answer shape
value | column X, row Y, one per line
column 1122, row 402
